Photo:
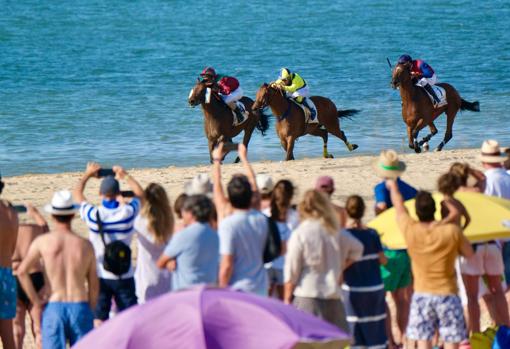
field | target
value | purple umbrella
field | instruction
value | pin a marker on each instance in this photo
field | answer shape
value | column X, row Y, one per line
column 214, row 318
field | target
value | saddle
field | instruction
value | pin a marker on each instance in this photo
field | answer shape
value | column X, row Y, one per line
column 243, row 111
column 307, row 110
column 440, row 93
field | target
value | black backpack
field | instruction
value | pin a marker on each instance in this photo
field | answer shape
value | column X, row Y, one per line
column 273, row 248
column 117, row 255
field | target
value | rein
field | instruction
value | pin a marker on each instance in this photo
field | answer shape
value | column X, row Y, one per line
column 289, row 106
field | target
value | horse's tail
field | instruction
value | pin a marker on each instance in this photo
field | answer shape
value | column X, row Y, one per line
column 472, row 106
column 263, row 123
column 347, row 113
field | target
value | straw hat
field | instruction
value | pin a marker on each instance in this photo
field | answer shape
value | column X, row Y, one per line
column 388, row 165
column 491, row 152
column 61, row 204
column 199, row 185
column 264, row 183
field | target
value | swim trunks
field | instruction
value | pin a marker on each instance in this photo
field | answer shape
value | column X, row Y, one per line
column 7, row 294
column 397, row 272
column 38, row 282
column 65, row 321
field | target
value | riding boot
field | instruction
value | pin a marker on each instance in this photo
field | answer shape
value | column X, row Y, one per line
column 431, row 91
column 312, row 110
column 239, row 115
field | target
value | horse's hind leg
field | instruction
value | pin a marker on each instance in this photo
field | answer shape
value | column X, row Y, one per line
column 340, row 134
column 246, row 139
column 450, row 118
column 320, row 132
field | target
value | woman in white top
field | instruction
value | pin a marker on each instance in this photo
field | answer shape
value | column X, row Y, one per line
column 154, row 226
column 316, row 256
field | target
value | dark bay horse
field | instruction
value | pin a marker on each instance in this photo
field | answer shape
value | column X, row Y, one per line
column 419, row 112
column 218, row 122
column 291, row 123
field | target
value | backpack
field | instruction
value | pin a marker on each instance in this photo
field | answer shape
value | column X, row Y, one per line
column 273, row 248
column 117, row 255
column 228, row 84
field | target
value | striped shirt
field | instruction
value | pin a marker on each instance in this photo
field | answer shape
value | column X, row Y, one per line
column 118, row 221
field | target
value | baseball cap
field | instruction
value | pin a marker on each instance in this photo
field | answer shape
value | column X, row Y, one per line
column 109, row 186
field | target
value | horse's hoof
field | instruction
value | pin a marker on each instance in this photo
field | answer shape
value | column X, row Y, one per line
column 353, row 147
column 330, row 156
column 411, row 146
column 426, row 146
column 237, row 160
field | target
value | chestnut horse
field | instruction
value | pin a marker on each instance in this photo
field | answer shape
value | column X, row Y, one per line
column 218, row 122
column 418, row 110
column 291, row 123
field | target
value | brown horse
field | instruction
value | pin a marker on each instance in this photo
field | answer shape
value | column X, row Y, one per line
column 291, row 123
column 218, row 123
column 418, row 110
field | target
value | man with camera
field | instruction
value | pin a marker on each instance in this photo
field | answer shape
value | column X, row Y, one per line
column 110, row 231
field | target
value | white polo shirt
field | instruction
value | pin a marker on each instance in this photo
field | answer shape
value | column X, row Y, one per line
column 498, row 183
column 118, row 221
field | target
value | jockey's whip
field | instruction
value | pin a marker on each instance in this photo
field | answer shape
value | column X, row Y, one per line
column 389, row 63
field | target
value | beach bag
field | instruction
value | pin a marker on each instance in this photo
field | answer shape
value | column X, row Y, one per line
column 273, row 248
column 228, row 84
column 502, row 339
column 117, row 255
column 483, row 340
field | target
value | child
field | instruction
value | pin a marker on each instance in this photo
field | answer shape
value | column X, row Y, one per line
column 452, row 210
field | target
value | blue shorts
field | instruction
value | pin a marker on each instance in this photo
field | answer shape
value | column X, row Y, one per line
column 65, row 321
column 431, row 312
column 7, row 294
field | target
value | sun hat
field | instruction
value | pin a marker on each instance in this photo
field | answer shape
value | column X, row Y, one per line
column 388, row 165
column 264, row 183
column 324, row 182
column 200, row 185
column 109, row 186
column 61, row 204
column 491, row 152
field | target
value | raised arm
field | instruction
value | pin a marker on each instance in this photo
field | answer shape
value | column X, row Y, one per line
column 37, row 217
column 250, row 173
column 396, row 199
column 481, row 180
column 133, row 183
column 219, row 198
column 91, row 171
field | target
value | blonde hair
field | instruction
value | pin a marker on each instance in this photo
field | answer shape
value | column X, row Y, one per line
column 158, row 212
column 316, row 205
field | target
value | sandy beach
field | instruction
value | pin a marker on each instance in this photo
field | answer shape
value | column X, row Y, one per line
column 353, row 175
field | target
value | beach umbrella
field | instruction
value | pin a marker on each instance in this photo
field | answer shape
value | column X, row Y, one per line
column 490, row 219
column 214, row 318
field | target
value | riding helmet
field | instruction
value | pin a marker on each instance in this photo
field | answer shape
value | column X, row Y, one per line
column 208, row 71
column 404, row 59
column 285, row 73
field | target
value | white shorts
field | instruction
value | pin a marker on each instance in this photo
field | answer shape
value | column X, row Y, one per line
column 487, row 260
column 302, row 92
column 430, row 81
column 234, row 96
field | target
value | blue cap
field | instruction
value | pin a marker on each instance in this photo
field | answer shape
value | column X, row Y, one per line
column 109, row 186
column 404, row 59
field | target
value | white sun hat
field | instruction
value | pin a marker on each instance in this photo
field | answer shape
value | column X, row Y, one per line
column 62, row 204
column 491, row 152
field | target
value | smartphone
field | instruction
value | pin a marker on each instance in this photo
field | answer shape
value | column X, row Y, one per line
column 20, row 208
column 105, row 172
column 127, row 193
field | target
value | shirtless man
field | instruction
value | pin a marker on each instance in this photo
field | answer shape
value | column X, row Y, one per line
column 70, row 265
column 26, row 234
column 8, row 236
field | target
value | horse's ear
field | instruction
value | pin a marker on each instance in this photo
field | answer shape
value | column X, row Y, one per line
column 198, row 80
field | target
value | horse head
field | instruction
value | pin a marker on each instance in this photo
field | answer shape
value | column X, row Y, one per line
column 198, row 93
column 401, row 74
column 264, row 95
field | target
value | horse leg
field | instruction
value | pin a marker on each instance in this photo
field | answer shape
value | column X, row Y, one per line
column 450, row 118
column 211, row 145
column 290, row 148
column 410, row 136
column 246, row 139
column 425, row 140
column 320, row 132
column 340, row 134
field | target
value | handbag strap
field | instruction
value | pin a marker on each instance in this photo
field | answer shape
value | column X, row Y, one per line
column 100, row 226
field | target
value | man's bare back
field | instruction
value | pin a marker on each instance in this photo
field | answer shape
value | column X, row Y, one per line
column 69, row 264
column 8, row 233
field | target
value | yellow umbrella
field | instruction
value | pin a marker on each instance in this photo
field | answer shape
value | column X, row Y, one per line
column 490, row 219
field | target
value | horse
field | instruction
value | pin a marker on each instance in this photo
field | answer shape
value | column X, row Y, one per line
column 291, row 121
column 219, row 120
column 418, row 110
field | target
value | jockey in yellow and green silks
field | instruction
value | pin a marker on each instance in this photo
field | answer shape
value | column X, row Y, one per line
column 295, row 87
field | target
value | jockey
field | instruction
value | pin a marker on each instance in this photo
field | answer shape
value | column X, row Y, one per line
column 424, row 73
column 229, row 89
column 295, row 87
